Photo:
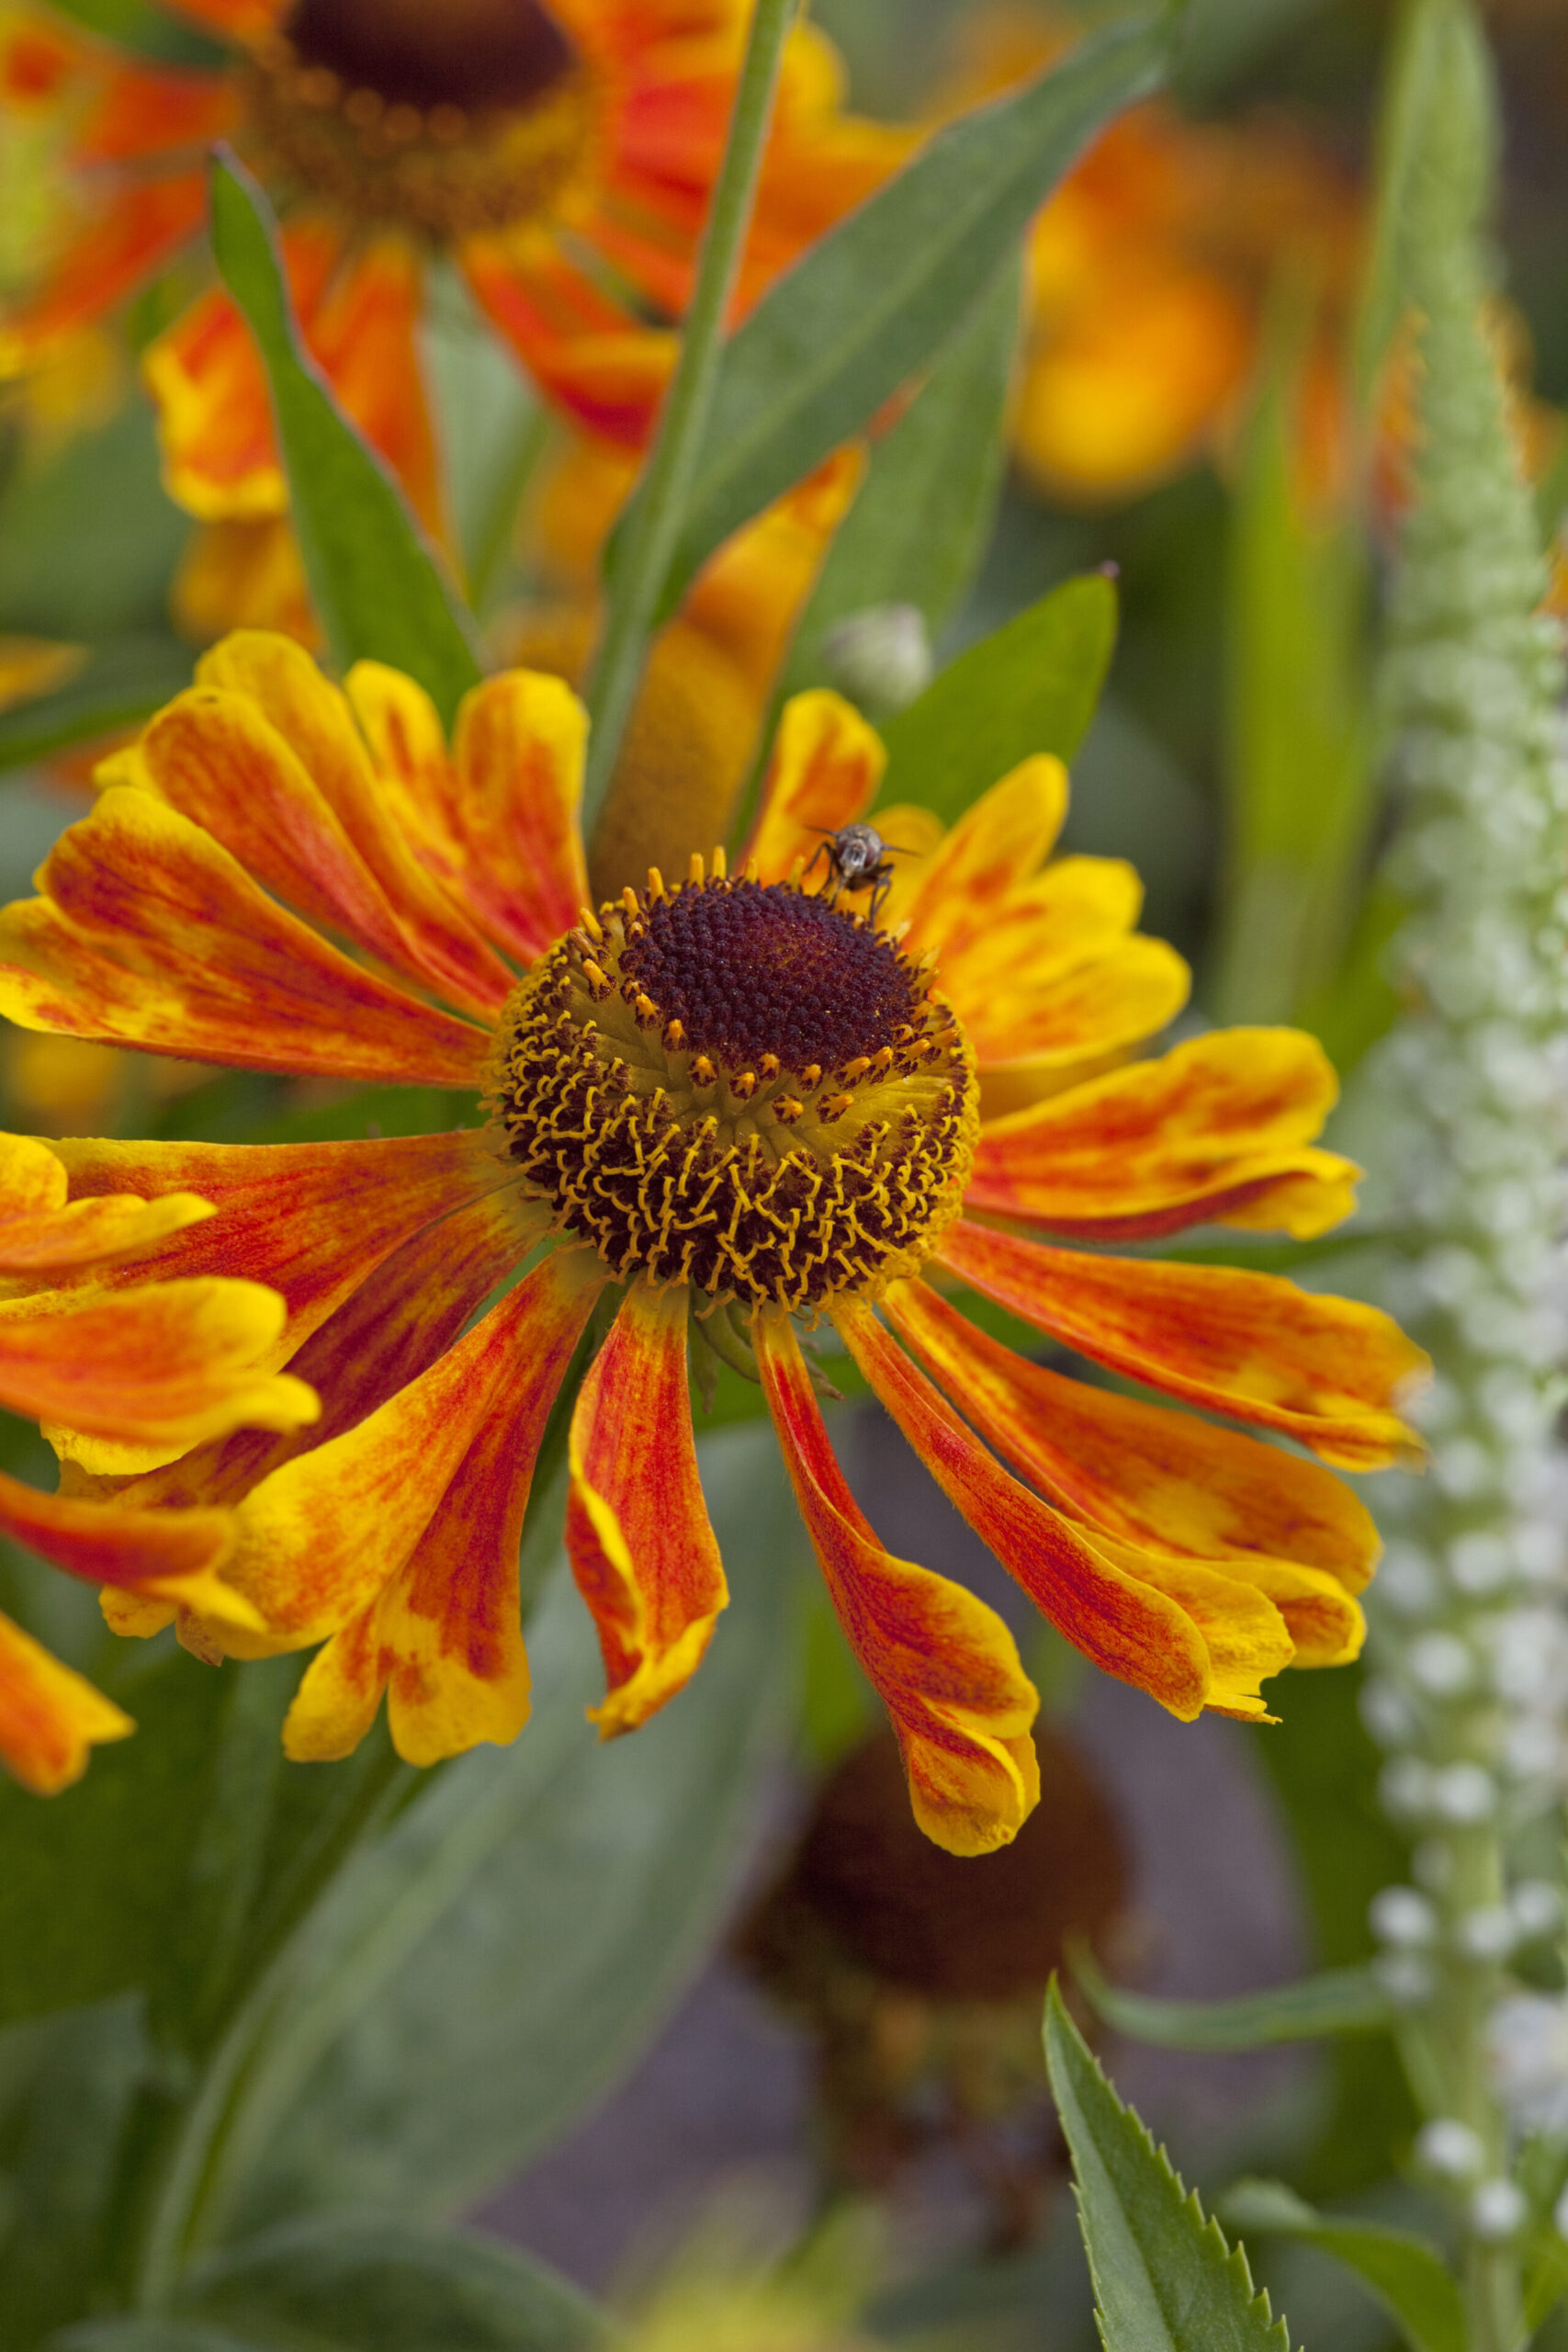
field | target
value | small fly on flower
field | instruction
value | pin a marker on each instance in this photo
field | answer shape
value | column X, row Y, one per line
column 859, row 859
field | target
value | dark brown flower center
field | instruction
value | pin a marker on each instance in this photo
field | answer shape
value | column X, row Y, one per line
column 477, row 54
column 752, row 970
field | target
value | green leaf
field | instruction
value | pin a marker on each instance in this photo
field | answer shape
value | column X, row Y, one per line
column 493, row 1964
column 169, row 2336
column 121, row 684
column 1299, row 776
column 1165, row 2281
column 374, row 578
column 1405, row 2274
column 1031, row 686
column 74, row 2079
column 868, row 306
column 1340, row 2000
column 91, row 1893
column 88, row 584
column 372, row 2284
column 918, row 525
column 150, row 34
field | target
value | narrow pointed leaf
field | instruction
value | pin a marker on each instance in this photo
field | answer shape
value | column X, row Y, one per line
column 868, row 306
column 1165, row 2279
column 375, row 580
column 1339, row 2000
column 1404, row 2273
column 918, row 529
column 153, row 35
column 1031, row 686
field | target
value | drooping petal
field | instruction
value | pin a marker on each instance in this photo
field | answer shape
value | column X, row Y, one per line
column 1219, row 1128
column 1247, row 1637
column 51, row 1717
column 944, row 1665
column 149, row 933
column 43, row 1234
column 823, row 773
column 645, row 1557
column 1327, row 1371
column 1159, row 1480
column 1118, row 1620
column 586, row 354
column 315, row 720
column 110, row 1543
column 312, row 1220
column 324, row 1536
column 153, row 1370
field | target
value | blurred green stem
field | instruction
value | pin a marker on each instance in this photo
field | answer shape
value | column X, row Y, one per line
column 487, row 571
column 647, row 544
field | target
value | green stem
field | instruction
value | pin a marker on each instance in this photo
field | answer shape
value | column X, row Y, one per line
column 647, row 542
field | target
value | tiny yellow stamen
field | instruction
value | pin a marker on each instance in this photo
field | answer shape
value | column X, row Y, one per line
column 631, row 903
column 786, row 1108
column 743, row 1085
column 833, row 1106
column 674, row 1038
column 855, row 1070
column 769, row 1065
column 655, row 886
column 702, row 1071
column 720, row 865
column 647, row 1011
column 590, row 922
column 812, row 1074
column 694, row 870
column 598, row 986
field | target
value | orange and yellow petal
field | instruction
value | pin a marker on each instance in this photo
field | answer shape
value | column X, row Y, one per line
column 1159, row 1480
column 1245, row 1634
column 519, row 752
column 584, row 353
column 136, row 234
column 43, row 1234
column 312, row 1221
column 315, row 720
column 154, row 1370
column 150, row 934
column 825, row 765
column 1117, row 1619
column 1097, row 1009
column 322, row 1539
column 945, row 1666
column 51, row 1717
column 1327, row 1371
column 998, row 843
column 1218, row 1128
column 642, row 1550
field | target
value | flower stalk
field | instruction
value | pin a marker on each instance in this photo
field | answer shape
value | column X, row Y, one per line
column 646, row 545
column 1469, row 1637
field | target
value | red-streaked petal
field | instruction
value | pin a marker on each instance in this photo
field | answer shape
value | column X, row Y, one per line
column 638, row 1535
column 1220, row 1125
column 43, row 1234
column 315, row 720
column 214, row 755
column 995, row 846
column 825, row 765
column 1099, row 1007
column 587, row 355
column 1116, row 1619
column 1327, row 1371
column 519, row 753
column 944, row 1665
column 161, row 1559
column 392, row 1328
column 51, row 1718
column 149, row 933
column 1246, row 1637
column 160, row 1367
column 1159, row 1480
column 324, row 1536
column 312, row 1220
